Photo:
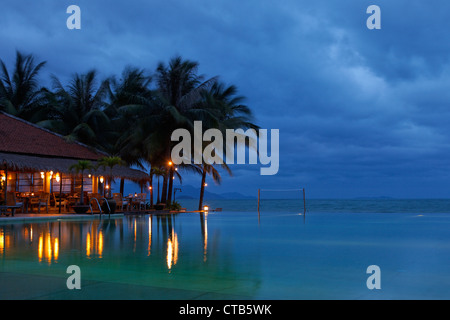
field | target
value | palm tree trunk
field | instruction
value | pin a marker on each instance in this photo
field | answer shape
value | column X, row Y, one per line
column 82, row 193
column 202, row 189
column 122, row 185
column 150, row 182
column 169, row 194
column 157, row 196
column 164, row 188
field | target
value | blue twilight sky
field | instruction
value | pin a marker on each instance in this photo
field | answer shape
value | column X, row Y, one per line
column 360, row 112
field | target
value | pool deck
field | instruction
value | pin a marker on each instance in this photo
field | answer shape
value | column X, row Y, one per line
column 26, row 217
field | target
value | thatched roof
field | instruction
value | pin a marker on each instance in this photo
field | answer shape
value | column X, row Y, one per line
column 20, row 136
column 29, row 163
column 27, row 147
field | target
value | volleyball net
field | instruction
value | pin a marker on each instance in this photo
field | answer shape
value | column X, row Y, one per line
column 282, row 200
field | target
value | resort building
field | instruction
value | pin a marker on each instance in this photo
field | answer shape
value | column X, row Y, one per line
column 34, row 168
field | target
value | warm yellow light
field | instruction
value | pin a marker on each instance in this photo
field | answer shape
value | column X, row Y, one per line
column 51, row 173
column 107, row 187
column 56, row 249
column 40, row 247
column 89, row 175
column 57, row 177
column 101, row 179
column 176, row 169
column 3, row 178
column 205, row 208
column 205, row 184
column 42, row 175
column 100, row 244
column 149, row 188
column 170, row 163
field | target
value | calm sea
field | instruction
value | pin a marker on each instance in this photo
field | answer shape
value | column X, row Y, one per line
column 328, row 205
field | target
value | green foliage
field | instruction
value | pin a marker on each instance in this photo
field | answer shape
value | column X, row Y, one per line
column 133, row 116
column 175, row 206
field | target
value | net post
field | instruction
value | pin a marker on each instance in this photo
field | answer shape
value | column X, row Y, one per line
column 259, row 193
column 304, row 202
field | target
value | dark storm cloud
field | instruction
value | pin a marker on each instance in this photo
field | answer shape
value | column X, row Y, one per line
column 360, row 112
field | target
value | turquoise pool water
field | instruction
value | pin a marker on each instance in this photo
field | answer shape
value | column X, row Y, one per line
column 229, row 255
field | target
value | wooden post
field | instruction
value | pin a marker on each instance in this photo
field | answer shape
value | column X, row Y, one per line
column 6, row 184
column 304, row 202
column 60, row 191
column 259, row 195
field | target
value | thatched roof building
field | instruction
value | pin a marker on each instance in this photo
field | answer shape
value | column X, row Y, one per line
column 26, row 147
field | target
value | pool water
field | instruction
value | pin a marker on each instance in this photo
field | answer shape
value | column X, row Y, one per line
column 229, row 255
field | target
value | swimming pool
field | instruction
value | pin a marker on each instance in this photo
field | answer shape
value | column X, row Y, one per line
column 229, row 255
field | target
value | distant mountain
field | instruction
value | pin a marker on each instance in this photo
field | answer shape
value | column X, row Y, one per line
column 190, row 192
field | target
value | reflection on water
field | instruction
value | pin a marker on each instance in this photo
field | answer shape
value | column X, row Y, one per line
column 145, row 250
column 48, row 241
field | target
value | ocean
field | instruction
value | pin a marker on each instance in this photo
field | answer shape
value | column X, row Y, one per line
column 419, row 206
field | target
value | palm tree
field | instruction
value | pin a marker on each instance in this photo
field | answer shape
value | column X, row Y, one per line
column 81, row 166
column 158, row 172
column 157, row 113
column 179, row 93
column 110, row 162
column 20, row 94
column 78, row 110
column 226, row 111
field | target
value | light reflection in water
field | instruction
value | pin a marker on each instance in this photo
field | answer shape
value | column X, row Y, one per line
column 153, row 236
column 204, row 225
column 172, row 251
column 149, row 250
column 137, row 247
column 48, row 247
column 2, row 241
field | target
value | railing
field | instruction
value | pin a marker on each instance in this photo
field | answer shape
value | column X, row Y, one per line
column 100, row 207
column 98, row 204
column 109, row 209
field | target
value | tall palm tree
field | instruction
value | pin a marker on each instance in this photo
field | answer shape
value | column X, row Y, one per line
column 78, row 110
column 226, row 111
column 20, row 94
column 179, row 93
column 110, row 162
column 81, row 166
column 167, row 107
column 158, row 172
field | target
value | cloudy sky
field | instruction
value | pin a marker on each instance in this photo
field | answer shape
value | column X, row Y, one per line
column 361, row 112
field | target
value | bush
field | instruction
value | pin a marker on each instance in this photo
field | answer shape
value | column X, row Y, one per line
column 174, row 206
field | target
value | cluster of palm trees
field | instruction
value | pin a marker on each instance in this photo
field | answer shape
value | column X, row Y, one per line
column 131, row 117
